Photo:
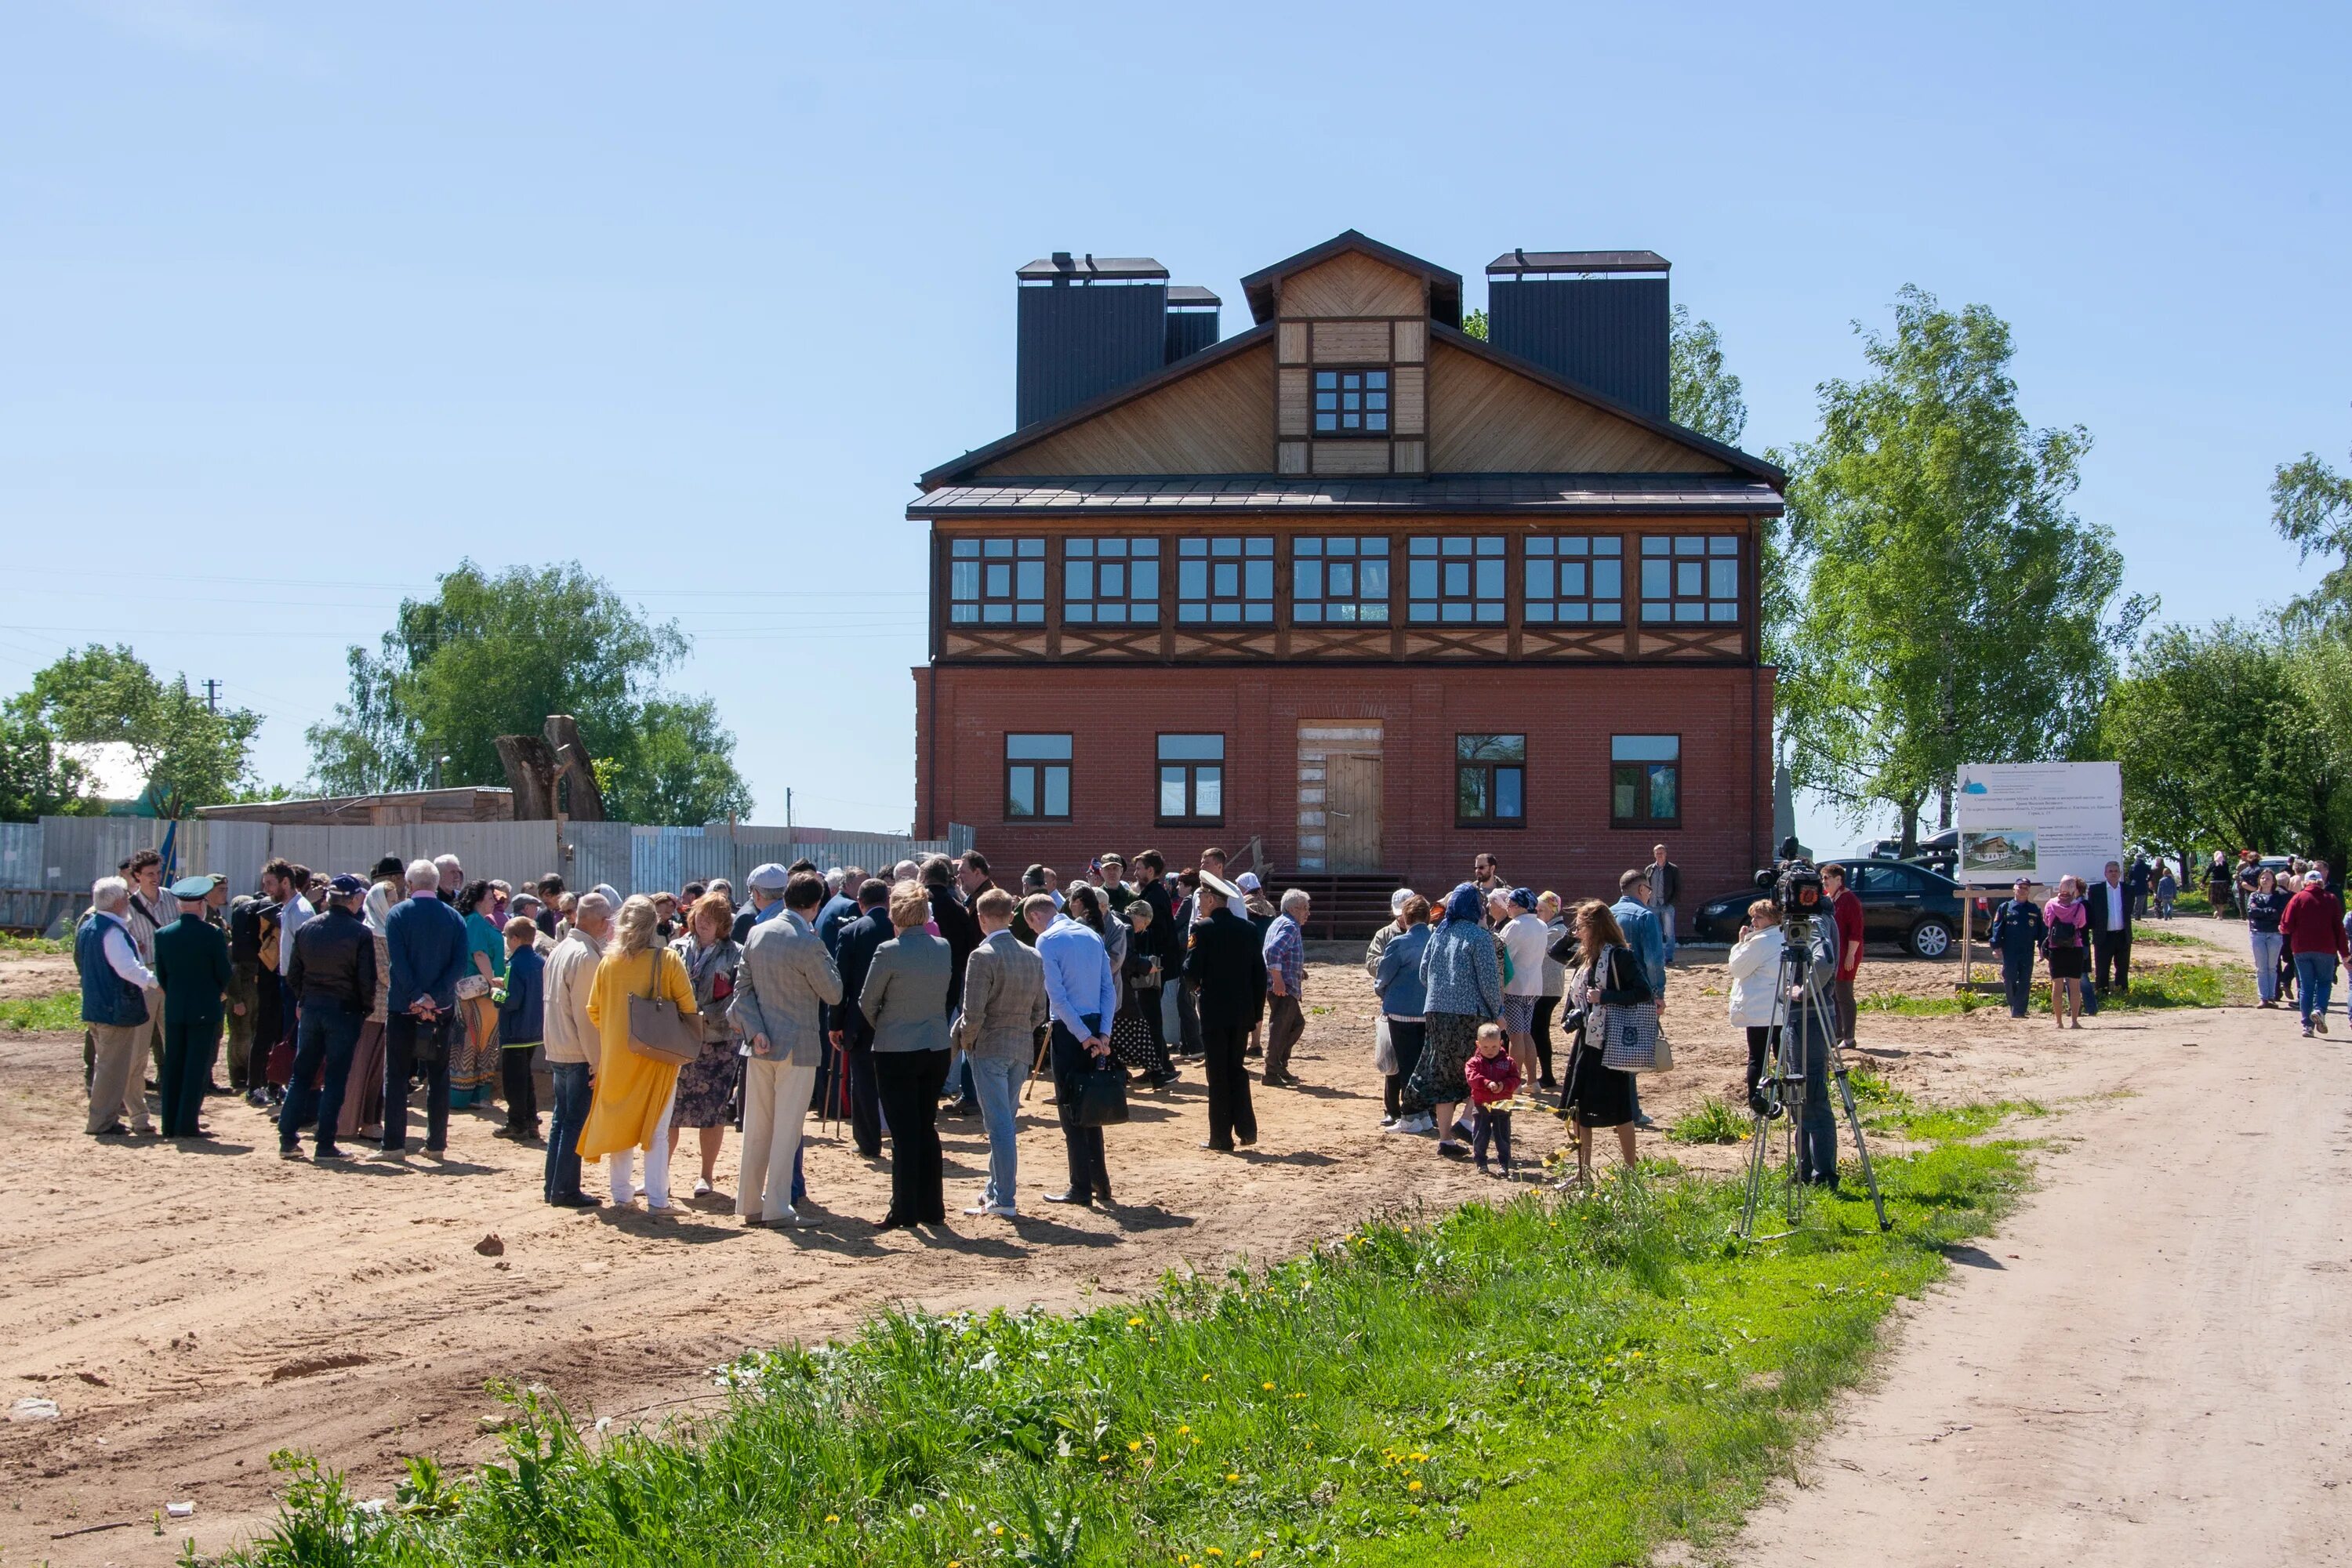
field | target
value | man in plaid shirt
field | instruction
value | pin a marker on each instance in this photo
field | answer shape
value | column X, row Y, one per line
column 1285, row 982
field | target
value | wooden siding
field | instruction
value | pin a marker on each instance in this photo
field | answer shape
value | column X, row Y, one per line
column 1351, row 456
column 1291, row 400
column 1411, row 456
column 1352, row 284
column 1411, row 337
column 1351, row 342
column 1291, row 456
column 1218, row 420
column 1484, row 419
column 1290, row 342
column 1406, row 407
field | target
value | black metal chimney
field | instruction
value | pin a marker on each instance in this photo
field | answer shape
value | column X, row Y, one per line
column 1598, row 318
column 1088, row 324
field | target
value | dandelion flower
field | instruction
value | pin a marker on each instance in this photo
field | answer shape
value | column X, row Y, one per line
column 1267, row 1386
column 1232, row 1475
column 1216, row 1551
column 1181, row 1430
column 1418, row 1458
column 1134, row 1445
column 1412, row 1486
column 1135, row 1322
column 1208, row 1377
column 1255, row 1556
column 833, row 1519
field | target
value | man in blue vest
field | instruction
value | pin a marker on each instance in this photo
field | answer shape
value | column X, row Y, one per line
column 114, row 989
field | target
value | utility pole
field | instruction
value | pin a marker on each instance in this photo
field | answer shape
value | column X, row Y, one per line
column 788, row 810
column 212, row 696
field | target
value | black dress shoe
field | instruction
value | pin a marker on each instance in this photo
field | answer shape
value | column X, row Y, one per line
column 116, row 1131
column 891, row 1222
column 1083, row 1200
column 576, row 1201
column 1217, row 1148
column 1102, row 1196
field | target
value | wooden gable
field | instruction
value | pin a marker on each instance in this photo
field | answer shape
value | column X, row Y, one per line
column 1486, row 419
column 1352, row 284
column 1217, row 419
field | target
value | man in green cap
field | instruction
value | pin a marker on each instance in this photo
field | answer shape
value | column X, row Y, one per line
column 193, row 969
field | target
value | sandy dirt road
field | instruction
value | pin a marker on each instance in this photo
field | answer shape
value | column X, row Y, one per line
column 2152, row 1364
column 192, row 1309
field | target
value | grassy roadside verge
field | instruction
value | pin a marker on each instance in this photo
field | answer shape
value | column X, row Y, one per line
column 60, row 1010
column 2153, row 986
column 1547, row 1382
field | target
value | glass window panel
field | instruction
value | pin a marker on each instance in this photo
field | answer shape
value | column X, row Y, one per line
column 1722, row 544
column 1057, row 790
column 1685, row 612
column 1376, row 378
column 966, row 549
column 1311, row 612
column 1033, row 549
column 1000, row 581
column 1624, row 792
column 1306, row 579
column 1690, row 580
column 1033, row 614
column 1225, row 611
column 1257, row 580
column 1342, row 546
column 1423, row 546
column 1191, row 747
column 1656, row 610
column 1222, row 548
column 1372, row 546
column 1343, row 579
column 1372, row 580
column 1580, row 613
column 1078, row 580
column 1607, row 609
column 1263, row 611
column 1490, row 612
column 1721, row 612
column 1020, row 793
column 1490, row 579
column 1572, row 579
column 1112, row 547
column 1191, row 615
column 1423, row 610
column 1372, row 613
column 1192, row 547
column 1609, row 545
column 1657, row 579
column 1540, row 546
column 1456, row 610
column 1032, row 579
column 1225, row 580
column 1049, row 748
column 1539, row 612
column 1309, row 545
column 1422, row 579
column 963, row 615
column 1578, row 545
column 1663, row 780
column 1651, row 544
column 1172, row 792
column 1209, row 792
column 1376, row 421
column 1113, row 578
column 1608, row 579
column 1470, row 793
column 963, row 580
column 1454, row 546
column 1192, row 579
column 1689, row 545
column 1540, row 579
column 1645, row 748
column 1000, row 549
column 1140, row 548
column 1723, row 579
column 997, row 613
column 1079, row 612
column 1508, row 804
column 1457, row 579
column 1078, row 548
column 1326, row 378
column 1490, row 545
column 1143, row 580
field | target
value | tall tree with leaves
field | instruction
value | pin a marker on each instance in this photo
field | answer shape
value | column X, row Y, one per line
column 1952, row 608
column 190, row 754
column 1701, row 394
column 38, row 778
column 2311, row 505
column 495, row 655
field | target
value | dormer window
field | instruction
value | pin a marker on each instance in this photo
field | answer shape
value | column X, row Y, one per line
column 1352, row 402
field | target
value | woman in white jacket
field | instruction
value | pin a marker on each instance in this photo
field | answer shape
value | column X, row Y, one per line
column 1755, row 968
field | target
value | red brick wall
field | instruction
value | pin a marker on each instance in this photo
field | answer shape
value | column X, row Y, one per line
column 1114, row 716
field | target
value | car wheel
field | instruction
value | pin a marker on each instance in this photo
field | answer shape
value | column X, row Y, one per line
column 1931, row 938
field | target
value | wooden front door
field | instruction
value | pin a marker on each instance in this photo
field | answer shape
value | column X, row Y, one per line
column 1353, row 809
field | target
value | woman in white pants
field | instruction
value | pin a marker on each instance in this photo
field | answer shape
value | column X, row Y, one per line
column 631, row 1110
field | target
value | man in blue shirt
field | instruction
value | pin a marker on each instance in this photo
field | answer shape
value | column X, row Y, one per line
column 1285, row 983
column 1648, row 939
column 426, row 940
column 1082, row 996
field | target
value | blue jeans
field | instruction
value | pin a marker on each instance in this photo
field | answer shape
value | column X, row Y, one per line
column 2266, row 964
column 998, row 1082
column 2314, row 981
column 572, row 1094
column 328, row 1035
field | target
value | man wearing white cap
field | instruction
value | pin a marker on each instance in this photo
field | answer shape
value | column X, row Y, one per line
column 767, row 883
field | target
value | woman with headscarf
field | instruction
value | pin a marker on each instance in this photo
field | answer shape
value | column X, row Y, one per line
column 631, row 1105
column 473, row 1068
column 707, row 1085
column 1463, row 982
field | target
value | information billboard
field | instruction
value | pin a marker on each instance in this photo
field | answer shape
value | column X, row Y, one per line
column 2040, row 820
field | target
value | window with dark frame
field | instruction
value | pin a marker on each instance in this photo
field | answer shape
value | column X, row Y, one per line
column 1645, row 781
column 996, row 581
column 1037, row 778
column 1225, row 581
column 1191, row 780
column 1574, row 579
column 1455, row 579
column 1490, row 781
column 1690, row 577
column 1352, row 402
column 1339, row 578
column 1110, row 581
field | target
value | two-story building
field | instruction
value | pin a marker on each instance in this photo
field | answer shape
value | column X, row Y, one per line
column 1374, row 591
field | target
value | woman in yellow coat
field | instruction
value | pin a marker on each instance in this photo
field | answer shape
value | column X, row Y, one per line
column 631, row 1107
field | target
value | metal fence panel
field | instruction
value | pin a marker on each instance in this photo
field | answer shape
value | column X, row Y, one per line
column 596, row 852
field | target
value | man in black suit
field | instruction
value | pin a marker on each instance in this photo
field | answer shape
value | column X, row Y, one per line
column 2110, row 911
column 1227, row 963
column 850, row 1031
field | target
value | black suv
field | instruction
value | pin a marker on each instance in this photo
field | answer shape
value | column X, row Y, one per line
column 1901, row 902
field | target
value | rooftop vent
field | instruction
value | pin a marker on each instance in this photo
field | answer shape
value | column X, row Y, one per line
column 1090, row 324
column 1598, row 318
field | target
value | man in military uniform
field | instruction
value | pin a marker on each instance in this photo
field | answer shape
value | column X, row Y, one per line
column 192, row 971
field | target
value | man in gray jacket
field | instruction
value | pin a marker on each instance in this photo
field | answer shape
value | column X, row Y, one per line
column 1003, row 1007
column 786, row 981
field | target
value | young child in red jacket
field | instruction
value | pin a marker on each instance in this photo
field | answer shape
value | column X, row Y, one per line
column 1494, row 1080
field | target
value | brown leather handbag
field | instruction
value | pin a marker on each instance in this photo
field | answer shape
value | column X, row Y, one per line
column 659, row 1030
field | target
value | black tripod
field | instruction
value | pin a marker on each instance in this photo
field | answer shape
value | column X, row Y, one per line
column 1781, row 1094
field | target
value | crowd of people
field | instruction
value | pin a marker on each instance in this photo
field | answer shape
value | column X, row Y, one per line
column 351, row 1004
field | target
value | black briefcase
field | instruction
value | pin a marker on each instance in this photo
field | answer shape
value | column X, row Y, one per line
column 1102, row 1097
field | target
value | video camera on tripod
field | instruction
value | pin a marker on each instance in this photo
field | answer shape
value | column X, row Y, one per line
column 1795, row 885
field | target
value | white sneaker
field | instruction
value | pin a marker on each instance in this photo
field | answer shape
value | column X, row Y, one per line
column 993, row 1211
column 1415, row 1124
column 701, row 1188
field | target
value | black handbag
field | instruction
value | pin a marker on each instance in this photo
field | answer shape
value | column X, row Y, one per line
column 1102, row 1097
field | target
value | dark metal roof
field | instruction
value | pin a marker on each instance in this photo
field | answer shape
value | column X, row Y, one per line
column 1515, row 261
column 1541, row 493
column 1191, row 295
column 1444, row 286
column 1084, row 269
column 1092, row 406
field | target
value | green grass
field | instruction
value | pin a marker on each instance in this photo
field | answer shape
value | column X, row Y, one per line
column 1710, row 1122
column 1550, row 1380
column 1886, row 1108
column 30, row 944
column 2153, row 986
column 2162, row 934
column 59, row 1010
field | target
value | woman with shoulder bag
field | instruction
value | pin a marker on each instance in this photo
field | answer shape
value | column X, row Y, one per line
column 1610, row 992
column 1404, row 1005
column 2068, row 919
column 1462, row 977
column 706, row 1086
column 636, row 1074
column 1136, row 1039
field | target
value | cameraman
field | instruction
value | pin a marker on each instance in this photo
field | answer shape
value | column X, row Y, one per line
column 1806, row 1039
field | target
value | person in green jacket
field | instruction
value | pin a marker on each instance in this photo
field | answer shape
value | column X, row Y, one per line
column 193, row 969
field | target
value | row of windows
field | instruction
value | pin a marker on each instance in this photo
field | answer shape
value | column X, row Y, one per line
column 1490, row 779
column 1566, row 580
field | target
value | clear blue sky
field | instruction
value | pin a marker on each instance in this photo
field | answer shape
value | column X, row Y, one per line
column 299, row 304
